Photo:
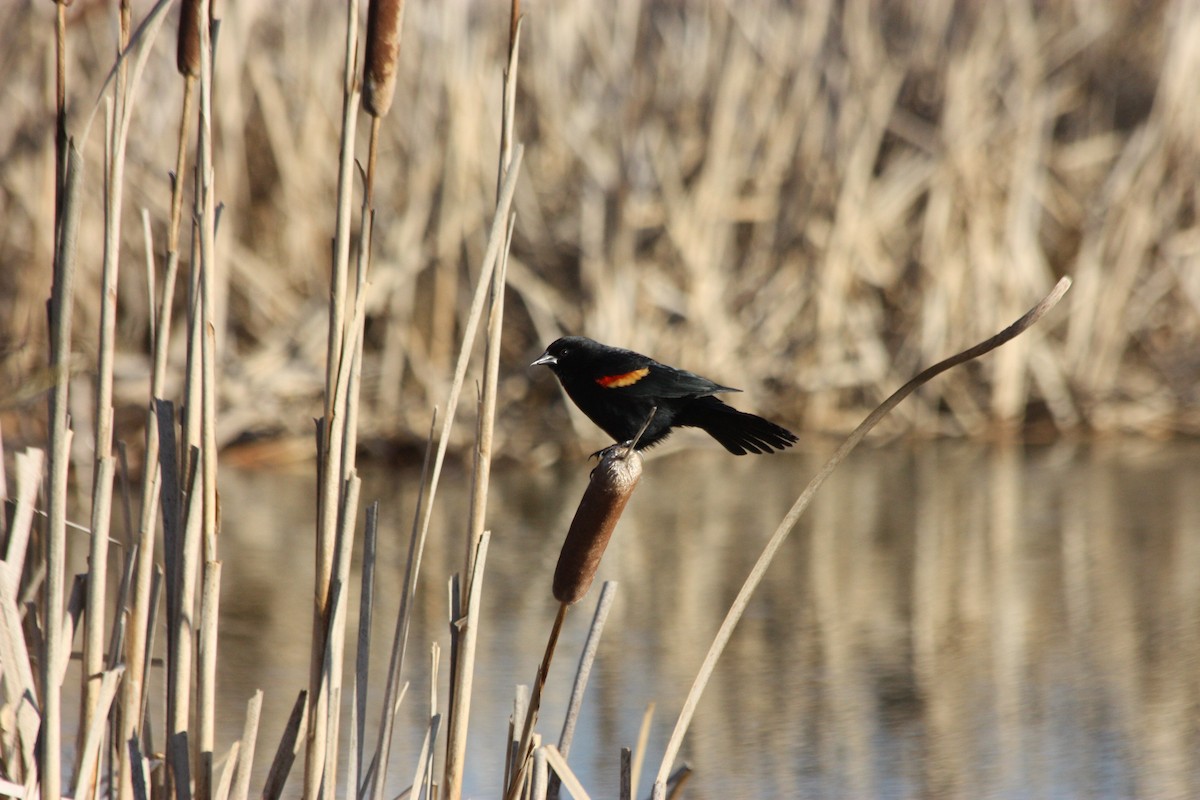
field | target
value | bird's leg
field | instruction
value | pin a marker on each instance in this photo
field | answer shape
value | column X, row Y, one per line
column 629, row 446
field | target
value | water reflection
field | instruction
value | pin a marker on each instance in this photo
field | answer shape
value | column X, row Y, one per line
column 950, row 621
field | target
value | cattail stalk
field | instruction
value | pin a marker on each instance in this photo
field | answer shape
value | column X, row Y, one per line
column 526, row 746
column 609, row 488
column 582, row 673
column 187, row 48
column 385, row 20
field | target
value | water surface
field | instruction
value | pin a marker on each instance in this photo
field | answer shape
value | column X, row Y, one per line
column 949, row 620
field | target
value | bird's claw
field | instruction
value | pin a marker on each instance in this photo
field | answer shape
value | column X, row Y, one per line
column 612, row 449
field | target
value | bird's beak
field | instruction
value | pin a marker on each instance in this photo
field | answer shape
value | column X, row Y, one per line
column 546, row 358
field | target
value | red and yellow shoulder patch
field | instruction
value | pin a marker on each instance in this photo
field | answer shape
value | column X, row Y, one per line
column 624, row 379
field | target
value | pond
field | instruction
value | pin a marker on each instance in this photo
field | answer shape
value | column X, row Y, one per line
column 948, row 620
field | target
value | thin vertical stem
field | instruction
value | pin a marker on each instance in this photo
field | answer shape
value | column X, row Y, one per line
column 586, row 659
column 525, row 748
column 332, row 469
column 61, row 303
column 468, row 627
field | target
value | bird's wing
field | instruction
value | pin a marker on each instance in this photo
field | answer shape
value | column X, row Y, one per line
column 658, row 380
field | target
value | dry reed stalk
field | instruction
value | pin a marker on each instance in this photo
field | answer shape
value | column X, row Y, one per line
column 520, row 704
column 245, row 760
column 206, row 683
column 285, row 753
column 3, row 489
column 643, row 740
column 337, row 444
column 155, row 609
column 151, row 484
column 179, row 775
column 116, row 640
column 422, row 782
column 226, row 780
column 366, row 612
column 540, row 775
column 209, row 565
column 329, row 633
column 340, row 268
column 89, row 759
column 137, row 628
column 626, row 784
column 465, row 634
column 336, row 634
column 70, row 621
column 60, row 309
column 563, row 773
column 117, row 128
column 354, row 748
column 138, row 788
column 676, row 781
column 181, row 546
column 206, row 224
column 94, row 616
column 325, row 704
column 60, row 104
column 19, row 683
column 392, row 692
column 789, row 521
column 29, row 466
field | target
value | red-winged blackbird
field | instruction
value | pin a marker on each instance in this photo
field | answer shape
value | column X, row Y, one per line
column 619, row 390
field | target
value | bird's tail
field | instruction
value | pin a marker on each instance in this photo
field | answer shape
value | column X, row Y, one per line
column 737, row 431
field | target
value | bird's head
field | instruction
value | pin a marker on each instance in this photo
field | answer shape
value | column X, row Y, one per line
column 561, row 350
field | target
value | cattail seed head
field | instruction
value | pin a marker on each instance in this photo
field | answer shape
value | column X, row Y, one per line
column 384, row 19
column 187, row 53
column 609, row 489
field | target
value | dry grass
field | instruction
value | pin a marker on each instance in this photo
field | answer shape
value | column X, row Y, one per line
column 809, row 202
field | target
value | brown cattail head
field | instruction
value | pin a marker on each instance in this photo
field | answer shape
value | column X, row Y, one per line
column 611, row 485
column 383, row 51
column 187, row 53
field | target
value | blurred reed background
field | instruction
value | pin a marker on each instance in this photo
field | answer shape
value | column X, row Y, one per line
column 805, row 200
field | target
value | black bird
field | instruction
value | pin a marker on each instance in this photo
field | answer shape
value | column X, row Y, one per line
column 620, row 389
